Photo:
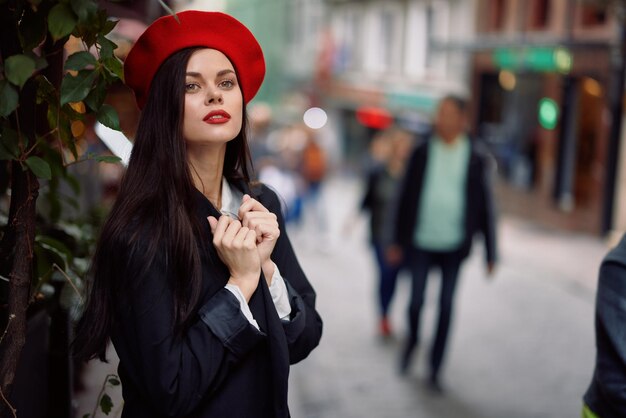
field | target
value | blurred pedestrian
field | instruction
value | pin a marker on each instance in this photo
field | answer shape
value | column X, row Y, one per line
column 313, row 170
column 444, row 201
column 260, row 117
column 390, row 148
column 606, row 395
column 195, row 281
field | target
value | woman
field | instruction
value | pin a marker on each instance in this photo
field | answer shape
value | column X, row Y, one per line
column 195, row 282
column 391, row 148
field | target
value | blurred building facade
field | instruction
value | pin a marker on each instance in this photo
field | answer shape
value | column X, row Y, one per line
column 542, row 76
column 373, row 62
column 545, row 83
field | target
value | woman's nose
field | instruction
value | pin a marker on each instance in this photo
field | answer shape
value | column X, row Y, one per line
column 214, row 96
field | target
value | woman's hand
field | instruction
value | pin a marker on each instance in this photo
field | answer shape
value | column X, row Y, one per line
column 264, row 223
column 237, row 248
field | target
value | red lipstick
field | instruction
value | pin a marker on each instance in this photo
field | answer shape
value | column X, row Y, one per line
column 216, row 117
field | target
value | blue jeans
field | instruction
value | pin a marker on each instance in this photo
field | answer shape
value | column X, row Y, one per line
column 388, row 275
column 420, row 262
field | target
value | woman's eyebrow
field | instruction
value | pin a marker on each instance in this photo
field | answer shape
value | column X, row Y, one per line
column 219, row 73
column 224, row 72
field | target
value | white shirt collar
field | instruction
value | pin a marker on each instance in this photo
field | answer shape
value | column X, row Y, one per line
column 231, row 200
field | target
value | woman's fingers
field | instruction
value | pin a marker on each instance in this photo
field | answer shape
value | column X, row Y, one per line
column 266, row 231
column 248, row 204
column 250, row 239
column 218, row 227
column 212, row 223
column 231, row 232
column 238, row 241
column 253, row 219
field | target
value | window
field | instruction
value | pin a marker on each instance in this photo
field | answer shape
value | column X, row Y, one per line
column 593, row 14
column 497, row 14
column 539, row 14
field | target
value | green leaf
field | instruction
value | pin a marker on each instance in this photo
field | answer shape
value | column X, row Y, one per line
column 71, row 114
column 9, row 144
column 19, row 68
column 39, row 167
column 75, row 89
column 114, row 66
column 106, row 404
column 65, row 132
column 84, row 9
column 80, row 60
column 55, row 245
column 114, row 381
column 107, row 159
column 9, row 98
column 4, row 154
column 45, row 91
column 107, row 116
column 106, row 47
column 32, row 29
column 86, row 415
column 97, row 95
column 40, row 62
column 108, row 26
column 61, row 21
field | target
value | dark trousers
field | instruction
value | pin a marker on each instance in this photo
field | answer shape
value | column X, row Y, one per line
column 388, row 276
column 420, row 263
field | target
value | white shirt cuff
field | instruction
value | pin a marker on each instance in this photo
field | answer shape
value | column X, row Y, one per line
column 243, row 305
column 280, row 295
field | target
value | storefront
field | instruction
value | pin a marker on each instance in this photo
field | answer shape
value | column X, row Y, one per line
column 544, row 112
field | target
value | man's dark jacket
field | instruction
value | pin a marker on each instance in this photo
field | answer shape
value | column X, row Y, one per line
column 479, row 207
column 606, row 395
column 221, row 365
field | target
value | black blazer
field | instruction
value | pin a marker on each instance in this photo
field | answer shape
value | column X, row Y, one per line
column 221, row 366
column 479, row 205
column 606, row 395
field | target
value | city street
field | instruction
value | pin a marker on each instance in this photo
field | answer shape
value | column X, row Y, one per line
column 521, row 344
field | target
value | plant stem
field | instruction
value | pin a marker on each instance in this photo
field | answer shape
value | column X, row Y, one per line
column 69, row 280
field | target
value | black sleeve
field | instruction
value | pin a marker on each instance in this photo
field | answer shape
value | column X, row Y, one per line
column 304, row 329
column 175, row 372
column 368, row 197
column 610, row 336
column 401, row 205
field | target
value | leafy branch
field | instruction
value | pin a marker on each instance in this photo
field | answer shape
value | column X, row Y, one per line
column 44, row 102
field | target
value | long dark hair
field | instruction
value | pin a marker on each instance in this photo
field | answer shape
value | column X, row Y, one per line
column 156, row 202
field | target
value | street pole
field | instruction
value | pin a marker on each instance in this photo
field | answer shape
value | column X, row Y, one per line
column 616, row 94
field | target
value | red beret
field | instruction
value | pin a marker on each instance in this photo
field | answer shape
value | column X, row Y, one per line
column 205, row 29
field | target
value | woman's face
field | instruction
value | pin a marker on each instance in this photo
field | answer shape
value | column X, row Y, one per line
column 213, row 99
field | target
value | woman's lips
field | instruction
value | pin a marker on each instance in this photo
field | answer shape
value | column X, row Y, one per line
column 216, row 117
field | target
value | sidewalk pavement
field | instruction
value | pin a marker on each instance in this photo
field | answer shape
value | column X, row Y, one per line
column 521, row 343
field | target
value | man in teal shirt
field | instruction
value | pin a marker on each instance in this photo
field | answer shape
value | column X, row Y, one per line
column 444, row 201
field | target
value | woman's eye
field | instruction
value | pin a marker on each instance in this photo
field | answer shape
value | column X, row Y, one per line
column 191, row 87
column 227, row 84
